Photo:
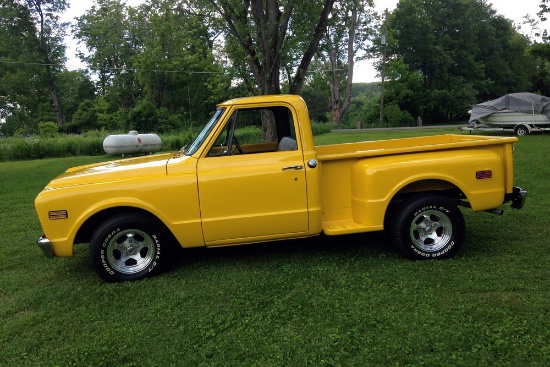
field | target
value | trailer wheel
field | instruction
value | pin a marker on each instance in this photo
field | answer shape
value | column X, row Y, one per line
column 521, row 130
column 426, row 227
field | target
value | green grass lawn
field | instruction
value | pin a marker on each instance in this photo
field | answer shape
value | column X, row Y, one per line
column 342, row 301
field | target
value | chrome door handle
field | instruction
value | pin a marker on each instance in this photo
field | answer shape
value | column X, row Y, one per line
column 297, row 167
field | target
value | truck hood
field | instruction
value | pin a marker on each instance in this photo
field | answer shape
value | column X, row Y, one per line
column 120, row 170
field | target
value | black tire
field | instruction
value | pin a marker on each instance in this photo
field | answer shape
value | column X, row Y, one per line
column 521, row 130
column 426, row 227
column 129, row 246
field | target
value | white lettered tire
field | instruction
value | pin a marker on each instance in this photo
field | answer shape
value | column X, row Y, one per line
column 129, row 246
column 427, row 226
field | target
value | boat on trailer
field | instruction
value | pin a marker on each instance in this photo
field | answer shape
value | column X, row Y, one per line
column 508, row 118
column 522, row 112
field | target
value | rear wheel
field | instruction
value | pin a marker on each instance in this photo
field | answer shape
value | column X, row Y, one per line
column 129, row 247
column 426, row 227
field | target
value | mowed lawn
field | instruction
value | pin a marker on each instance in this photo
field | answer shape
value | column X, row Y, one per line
column 327, row 301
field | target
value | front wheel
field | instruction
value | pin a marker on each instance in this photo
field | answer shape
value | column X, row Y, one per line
column 426, row 227
column 129, row 247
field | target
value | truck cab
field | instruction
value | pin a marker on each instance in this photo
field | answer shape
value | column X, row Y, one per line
column 256, row 183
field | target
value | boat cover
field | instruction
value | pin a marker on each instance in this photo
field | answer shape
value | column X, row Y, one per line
column 519, row 102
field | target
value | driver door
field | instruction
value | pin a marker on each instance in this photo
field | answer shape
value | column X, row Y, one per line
column 248, row 194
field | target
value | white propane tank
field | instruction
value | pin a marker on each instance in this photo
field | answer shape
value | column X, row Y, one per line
column 131, row 143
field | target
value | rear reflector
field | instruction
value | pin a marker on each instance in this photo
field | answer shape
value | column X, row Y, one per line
column 481, row 175
column 58, row 214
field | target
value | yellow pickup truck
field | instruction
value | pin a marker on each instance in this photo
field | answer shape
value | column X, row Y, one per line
column 236, row 184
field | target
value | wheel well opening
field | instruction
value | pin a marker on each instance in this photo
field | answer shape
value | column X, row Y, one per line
column 87, row 229
column 429, row 186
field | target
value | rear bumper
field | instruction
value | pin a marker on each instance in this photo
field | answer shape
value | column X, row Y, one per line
column 44, row 245
column 517, row 197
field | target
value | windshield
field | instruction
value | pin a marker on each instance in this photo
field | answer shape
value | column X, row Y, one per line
column 204, row 133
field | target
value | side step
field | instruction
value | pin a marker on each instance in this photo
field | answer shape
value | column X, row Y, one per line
column 348, row 227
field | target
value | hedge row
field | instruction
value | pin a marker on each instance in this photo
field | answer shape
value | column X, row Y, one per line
column 16, row 149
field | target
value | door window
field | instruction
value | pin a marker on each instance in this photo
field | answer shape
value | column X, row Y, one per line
column 256, row 130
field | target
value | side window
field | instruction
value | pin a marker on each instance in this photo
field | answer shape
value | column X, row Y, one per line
column 256, row 130
column 248, row 127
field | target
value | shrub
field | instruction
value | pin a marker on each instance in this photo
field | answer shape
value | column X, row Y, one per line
column 84, row 118
column 176, row 141
column 396, row 117
column 48, row 129
column 144, row 117
column 321, row 128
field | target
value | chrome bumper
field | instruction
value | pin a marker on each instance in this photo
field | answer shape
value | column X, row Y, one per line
column 44, row 245
column 517, row 197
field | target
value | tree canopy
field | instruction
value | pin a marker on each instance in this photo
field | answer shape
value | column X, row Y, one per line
column 163, row 65
column 461, row 50
column 31, row 35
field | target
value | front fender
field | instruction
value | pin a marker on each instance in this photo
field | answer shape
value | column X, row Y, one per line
column 172, row 199
column 61, row 231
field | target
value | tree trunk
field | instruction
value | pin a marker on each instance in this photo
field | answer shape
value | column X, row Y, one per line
column 337, row 105
column 261, row 28
column 44, row 50
column 298, row 81
column 52, row 86
column 269, row 128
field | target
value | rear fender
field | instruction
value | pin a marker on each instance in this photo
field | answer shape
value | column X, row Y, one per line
column 376, row 181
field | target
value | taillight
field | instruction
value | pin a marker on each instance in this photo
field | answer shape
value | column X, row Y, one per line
column 481, row 175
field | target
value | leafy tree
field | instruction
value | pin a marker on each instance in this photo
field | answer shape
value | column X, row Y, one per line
column 268, row 45
column 364, row 105
column 462, row 50
column 177, row 63
column 261, row 29
column 96, row 114
column 402, row 88
column 315, row 93
column 539, row 52
column 31, row 38
column 544, row 9
column 541, row 75
column 144, row 117
column 111, row 33
column 85, row 118
column 348, row 33
column 502, row 52
column 162, row 52
column 74, row 87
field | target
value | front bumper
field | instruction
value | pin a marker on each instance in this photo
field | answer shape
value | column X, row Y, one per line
column 517, row 197
column 45, row 245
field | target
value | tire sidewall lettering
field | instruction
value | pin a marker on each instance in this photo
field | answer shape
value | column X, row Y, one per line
column 104, row 263
column 103, row 257
column 108, row 237
column 157, row 253
column 432, row 207
column 437, row 254
column 444, row 250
